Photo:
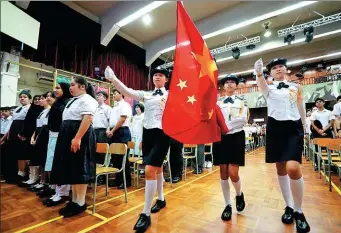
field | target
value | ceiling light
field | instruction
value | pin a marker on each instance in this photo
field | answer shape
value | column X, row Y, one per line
column 146, row 19
column 140, row 12
column 291, row 62
column 289, row 38
column 251, row 21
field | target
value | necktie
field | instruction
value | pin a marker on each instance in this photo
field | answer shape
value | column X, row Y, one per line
column 228, row 100
column 69, row 104
column 19, row 109
column 282, row 85
column 158, row 92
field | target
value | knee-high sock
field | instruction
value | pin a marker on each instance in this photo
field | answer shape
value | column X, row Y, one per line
column 285, row 189
column 81, row 193
column 64, row 190
column 150, row 190
column 225, row 187
column 237, row 186
column 297, row 190
column 160, row 180
column 74, row 193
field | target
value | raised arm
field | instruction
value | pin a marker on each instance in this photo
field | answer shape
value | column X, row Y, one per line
column 260, row 79
column 110, row 76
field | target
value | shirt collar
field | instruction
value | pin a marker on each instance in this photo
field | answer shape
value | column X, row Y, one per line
column 278, row 82
column 163, row 89
column 232, row 97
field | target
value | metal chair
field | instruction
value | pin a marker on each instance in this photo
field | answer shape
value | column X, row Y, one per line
column 187, row 155
column 209, row 153
column 334, row 145
column 117, row 149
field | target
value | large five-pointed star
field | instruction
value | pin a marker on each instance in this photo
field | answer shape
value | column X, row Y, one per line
column 207, row 64
column 182, row 84
column 191, row 99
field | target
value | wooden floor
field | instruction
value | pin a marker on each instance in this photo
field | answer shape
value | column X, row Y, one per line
column 192, row 206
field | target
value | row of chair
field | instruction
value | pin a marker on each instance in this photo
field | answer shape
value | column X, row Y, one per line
column 328, row 153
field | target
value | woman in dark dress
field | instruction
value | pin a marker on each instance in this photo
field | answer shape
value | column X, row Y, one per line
column 74, row 160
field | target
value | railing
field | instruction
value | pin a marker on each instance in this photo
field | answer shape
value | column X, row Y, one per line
column 304, row 82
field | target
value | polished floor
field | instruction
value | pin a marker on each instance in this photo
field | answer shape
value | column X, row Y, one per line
column 194, row 205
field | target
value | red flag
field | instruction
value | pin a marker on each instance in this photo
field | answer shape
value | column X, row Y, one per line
column 190, row 113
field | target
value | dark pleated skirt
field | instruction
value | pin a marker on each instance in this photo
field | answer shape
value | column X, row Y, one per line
column 69, row 167
column 230, row 150
column 16, row 147
column 40, row 148
column 284, row 141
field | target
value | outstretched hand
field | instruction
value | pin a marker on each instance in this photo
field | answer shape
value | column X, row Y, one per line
column 109, row 74
column 258, row 68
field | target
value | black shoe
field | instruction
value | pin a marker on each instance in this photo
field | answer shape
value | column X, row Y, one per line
column 227, row 213
column 50, row 202
column 75, row 210
column 142, row 223
column 288, row 216
column 22, row 184
column 302, row 225
column 70, row 205
column 200, row 171
column 122, row 186
column 240, row 203
column 158, row 206
column 167, row 179
column 48, row 192
column 176, row 180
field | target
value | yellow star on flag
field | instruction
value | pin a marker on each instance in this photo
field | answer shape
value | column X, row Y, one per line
column 208, row 66
column 191, row 99
column 182, row 84
column 210, row 114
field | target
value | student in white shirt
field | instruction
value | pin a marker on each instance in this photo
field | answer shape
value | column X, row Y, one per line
column 325, row 118
column 119, row 132
column 137, row 127
column 229, row 153
column 6, row 121
column 155, row 143
column 337, row 113
column 308, row 123
column 285, row 134
column 101, row 122
column 74, row 160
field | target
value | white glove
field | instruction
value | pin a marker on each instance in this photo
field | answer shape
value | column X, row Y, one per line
column 259, row 66
column 109, row 74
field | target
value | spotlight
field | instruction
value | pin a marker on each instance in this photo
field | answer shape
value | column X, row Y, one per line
column 309, row 33
column 304, row 68
column 289, row 38
column 251, row 46
column 267, row 32
column 235, row 53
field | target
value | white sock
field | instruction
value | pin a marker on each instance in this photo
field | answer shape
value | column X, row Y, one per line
column 56, row 198
column 35, row 174
column 23, row 174
column 160, row 180
column 284, row 184
column 64, row 190
column 237, row 186
column 297, row 189
column 81, row 193
column 150, row 190
column 74, row 194
column 19, row 173
column 225, row 187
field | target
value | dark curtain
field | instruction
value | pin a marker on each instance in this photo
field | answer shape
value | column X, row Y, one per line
column 71, row 41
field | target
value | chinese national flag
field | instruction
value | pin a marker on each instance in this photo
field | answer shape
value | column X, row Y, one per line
column 190, row 114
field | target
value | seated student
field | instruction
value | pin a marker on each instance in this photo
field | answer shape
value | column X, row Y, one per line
column 337, row 113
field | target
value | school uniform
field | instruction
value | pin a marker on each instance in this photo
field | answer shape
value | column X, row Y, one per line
column 137, row 131
column 121, row 135
column 100, row 125
column 42, row 139
column 80, row 167
column 5, row 125
column 231, row 148
column 324, row 117
column 14, row 144
column 284, row 130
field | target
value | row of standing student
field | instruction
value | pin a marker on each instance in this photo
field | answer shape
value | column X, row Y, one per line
column 286, row 117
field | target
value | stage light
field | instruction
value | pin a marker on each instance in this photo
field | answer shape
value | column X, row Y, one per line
column 146, row 19
column 309, row 33
column 236, row 53
column 251, row 46
column 289, row 38
column 267, row 32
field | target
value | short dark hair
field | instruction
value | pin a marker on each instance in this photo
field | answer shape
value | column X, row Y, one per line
column 115, row 90
column 338, row 98
column 319, row 99
column 141, row 106
column 103, row 93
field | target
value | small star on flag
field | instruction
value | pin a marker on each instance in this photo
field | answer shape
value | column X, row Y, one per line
column 182, row 84
column 191, row 99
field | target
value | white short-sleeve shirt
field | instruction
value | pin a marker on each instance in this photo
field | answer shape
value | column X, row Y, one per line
column 337, row 109
column 79, row 106
column 121, row 108
column 102, row 116
column 323, row 116
column 235, row 114
column 43, row 118
column 20, row 112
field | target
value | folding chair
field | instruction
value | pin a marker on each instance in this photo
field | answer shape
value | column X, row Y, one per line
column 209, row 153
column 187, row 155
column 334, row 145
column 117, row 149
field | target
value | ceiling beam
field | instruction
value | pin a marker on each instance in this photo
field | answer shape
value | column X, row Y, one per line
column 22, row 4
column 224, row 19
column 81, row 10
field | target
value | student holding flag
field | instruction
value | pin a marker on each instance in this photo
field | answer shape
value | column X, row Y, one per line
column 229, row 153
column 285, row 133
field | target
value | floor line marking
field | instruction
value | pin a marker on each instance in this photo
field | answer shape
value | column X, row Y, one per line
column 39, row 224
column 96, row 215
column 333, row 184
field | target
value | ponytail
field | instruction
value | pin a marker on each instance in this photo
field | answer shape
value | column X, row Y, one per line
column 88, row 87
